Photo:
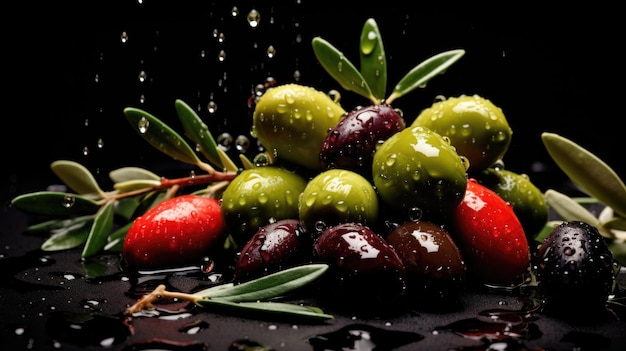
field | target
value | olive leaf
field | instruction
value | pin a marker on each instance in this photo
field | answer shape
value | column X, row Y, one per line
column 424, row 72
column 160, row 135
column 373, row 59
column 77, row 177
column 55, row 224
column 587, row 171
column 371, row 80
column 308, row 312
column 100, row 230
column 198, row 132
column 54, row 203
column 269, row 286
column 126, row 174
column 229, row 165
column 68, row 237
column 341, row 69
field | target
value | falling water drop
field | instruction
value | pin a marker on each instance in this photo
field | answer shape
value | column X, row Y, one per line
column 254, row 17
column 85, row 151
column 234, row 11
column 143, row 125
column 211, row 107
column 143, row 76
column 271, row 51
column 124, row 37
column 69, row 201
column 100, row 143
column 225, row 141
column 242, row 143
column 221, row 56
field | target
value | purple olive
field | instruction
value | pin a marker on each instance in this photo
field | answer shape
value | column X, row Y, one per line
column 351, row 143
column 273, row 247
column 434, row 266
column 364, row 272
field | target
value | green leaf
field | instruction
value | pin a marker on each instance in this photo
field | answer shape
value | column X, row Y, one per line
column 229, row 165
column 247, row 163
column 279, row 308
column 160, row 135
column 68, row 238
column 115, row 241
column 100, row 230
column 55, row 224
column 126, row 174
column 132, row 185
column 198, row 132
column 341, row 69
column 267, row 287
column 570, row 210
column 54, row 203
column 587, row 171
column 424, row 72
column 77, row 177
column 373, row 59
column 127, row 207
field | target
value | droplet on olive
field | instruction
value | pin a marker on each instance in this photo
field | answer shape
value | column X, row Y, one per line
column 435, row 269
column 257, row 196
column 418, row 168
column 275, row 246
column 575, row 269
column 351, row 143
column 365, row 272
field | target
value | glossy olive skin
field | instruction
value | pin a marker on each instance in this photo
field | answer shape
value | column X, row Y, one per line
column 575, row 269
column 365, row 272
column 527, row 200
column 292, row 120
column 476, row 127
column 257, row 196
column 336, row 196
column 418, row 168
column 434, row 266
column 351, row 143
column 275, row 246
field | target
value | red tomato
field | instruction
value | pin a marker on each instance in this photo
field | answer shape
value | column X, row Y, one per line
column 490, row 236
column 176, row 232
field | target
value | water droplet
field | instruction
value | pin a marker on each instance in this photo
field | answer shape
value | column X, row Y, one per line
column 142, row 76
column 143, row 125
column 254, row 18
column 69, row 201
column 225, row 141
column 221, row 56
column 234, row 11
column 271, row 51
column 242, row 143
column 100, row 143
column 85, row 151
column 124, row 37
column 211, row 107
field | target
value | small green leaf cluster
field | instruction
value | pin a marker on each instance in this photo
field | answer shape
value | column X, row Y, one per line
column 371, row 80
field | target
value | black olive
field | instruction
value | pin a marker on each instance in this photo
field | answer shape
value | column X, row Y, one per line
column 273, row 247
column 575, row 269
column 351, row 143
column 434, row 266
column 365, row 272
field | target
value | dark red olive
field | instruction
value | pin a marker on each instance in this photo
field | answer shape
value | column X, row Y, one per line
column 434, row 266
column 575, row 269
column 273, row 247
column 351, row 143
column 365, row 272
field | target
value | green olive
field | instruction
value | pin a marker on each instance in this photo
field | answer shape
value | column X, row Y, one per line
column 417, row 169
column 337, row 196
column 475, row 126
column 517, row 189
column 259, row 195
column 292, row 121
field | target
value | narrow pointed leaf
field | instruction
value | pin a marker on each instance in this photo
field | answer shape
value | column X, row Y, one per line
column 55, row 224
column 100, row 230
column 275, row 308
column 198, row 132
column 54, row 203
column 247, row 163
column 132, row 185
column 67, row 238
column 267, row 287
column 160, row 135
column 77, row 177
column 125, row 174
column 115, row 241
column 587, row 171
column 425, row 71
column 373, row 59
column 571, row 210
column 340, row 68
column 227, row 163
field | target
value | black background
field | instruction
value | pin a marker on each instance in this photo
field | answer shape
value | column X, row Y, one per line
column 549, row 69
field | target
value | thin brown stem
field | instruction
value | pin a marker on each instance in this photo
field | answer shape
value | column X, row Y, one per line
column 159, row 293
